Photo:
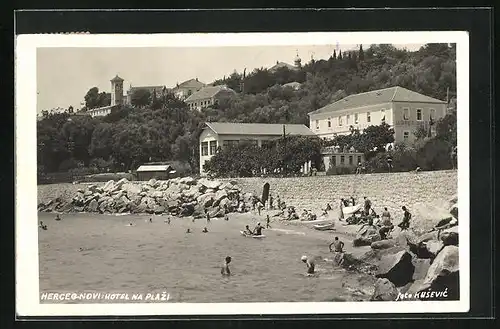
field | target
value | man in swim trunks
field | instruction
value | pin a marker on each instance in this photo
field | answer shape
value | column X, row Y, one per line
column 309, row 263
column 225, row 267
column 405, row 224
column 337, row 244
column 268, row 220
column 248, row 230
column 258, row 229
column 57, row 218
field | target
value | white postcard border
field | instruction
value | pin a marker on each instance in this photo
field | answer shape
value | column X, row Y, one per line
column 27, row 264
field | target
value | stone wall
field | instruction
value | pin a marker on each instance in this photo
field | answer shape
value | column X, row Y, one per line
column 426, row 194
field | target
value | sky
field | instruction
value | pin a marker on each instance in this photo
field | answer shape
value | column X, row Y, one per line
column 64, row 75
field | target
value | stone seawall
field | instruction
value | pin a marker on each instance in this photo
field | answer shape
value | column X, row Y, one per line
column 426, row 194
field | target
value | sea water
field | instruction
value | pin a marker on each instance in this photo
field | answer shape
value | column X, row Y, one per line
column 101, row 253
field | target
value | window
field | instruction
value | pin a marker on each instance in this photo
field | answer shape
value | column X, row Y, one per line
column 213, row 147
column 317, row 124
column 406, row 135
column 204, row 148
column 356, row 118
column 368, row 117
column 340, row 121
column 359, row 158
column 329, row 123
column 342, row 159
column 333, row 161
column 406, row 114
column 351, row 160
column 419, row 114
column 347, row 119
column 432, row 114
column 227, row 143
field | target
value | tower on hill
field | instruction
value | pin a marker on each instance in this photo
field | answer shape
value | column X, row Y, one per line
column 116, row 91
column 298, row 61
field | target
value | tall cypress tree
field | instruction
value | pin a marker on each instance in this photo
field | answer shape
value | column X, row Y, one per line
column 361, row 53
column 334, row 54
column 340, row 54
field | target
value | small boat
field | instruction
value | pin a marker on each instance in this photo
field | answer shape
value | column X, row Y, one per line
column 324, row 227
column 252, row 236
column 351, row 210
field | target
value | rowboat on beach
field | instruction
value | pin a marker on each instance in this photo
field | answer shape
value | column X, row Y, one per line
column 324, row 227
column 351, row 210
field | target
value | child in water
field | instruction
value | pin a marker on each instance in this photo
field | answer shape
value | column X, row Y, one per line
column 309, row 263
column 225, row 267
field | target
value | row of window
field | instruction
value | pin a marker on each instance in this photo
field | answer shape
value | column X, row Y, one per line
column 205, row 147
column 333, row 160
column 406, row 117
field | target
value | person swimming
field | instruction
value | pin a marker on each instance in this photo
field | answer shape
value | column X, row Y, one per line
column 150, row 220
column 188, row 230
column 205, row 230
column 225, row 267
column 129, row 224
column 310, row 264
column 247, row 230
column 43, row 226
column 258, row 229
column 337, row 244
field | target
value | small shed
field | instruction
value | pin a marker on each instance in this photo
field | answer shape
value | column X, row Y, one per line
column 156, row 171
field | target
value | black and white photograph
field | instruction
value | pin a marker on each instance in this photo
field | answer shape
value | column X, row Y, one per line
column 245, row 173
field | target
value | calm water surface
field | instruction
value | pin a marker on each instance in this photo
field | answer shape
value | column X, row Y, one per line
column 160, row 257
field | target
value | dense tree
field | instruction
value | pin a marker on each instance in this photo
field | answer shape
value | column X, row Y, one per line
column 141, row 97
column 162, row 128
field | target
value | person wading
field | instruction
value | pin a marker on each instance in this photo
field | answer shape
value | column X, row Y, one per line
column 386, row 224
column 338, row 246
column 310, row 264
column 225, row 267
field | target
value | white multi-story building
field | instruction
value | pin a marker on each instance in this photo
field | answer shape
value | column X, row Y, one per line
column 402, row 109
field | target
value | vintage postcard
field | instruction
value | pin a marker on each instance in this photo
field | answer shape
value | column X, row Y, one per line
column 242, row 174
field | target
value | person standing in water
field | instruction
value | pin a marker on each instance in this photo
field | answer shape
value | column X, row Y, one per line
column 225, row 267
column 257, row 230
column 57, row 217
column 208, row 217
column 310, row 264
column 248, row 231
column 341, row 213
column 268, row 220
column 337, row 244
column 205, row 230
column 188, row 230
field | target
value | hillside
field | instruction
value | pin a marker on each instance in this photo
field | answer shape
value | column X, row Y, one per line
column 166, row 130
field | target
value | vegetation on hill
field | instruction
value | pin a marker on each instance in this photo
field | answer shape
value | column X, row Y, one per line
column 164, row 129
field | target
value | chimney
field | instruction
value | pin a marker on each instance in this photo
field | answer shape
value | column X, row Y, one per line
column 196, row 79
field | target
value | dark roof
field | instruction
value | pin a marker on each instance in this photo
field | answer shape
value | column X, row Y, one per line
column 191, row 83
column 208, row 92
column 392, row 94
column 229, row 128
column 117, row 79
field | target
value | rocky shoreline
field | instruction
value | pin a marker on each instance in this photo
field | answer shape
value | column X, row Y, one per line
column 408, row 266
column 178, row 197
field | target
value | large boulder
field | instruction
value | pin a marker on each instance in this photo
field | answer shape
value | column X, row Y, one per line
column 215, row 212
column 211, row 184
column 92, row 206
column 421, row 268
column 206, row 200
column 157, row 194
column 449, row 237
column 366, row 236
column 172, row 190
column 454, row 210
column 443, row 275
column 158, row 209
column 187, row 209
column 433, row 248
column 108, row 186
column 385, row 290
column 398, row 268
column 153, row 183
column 192, row 193
column 219, row 196
column 121, row 182
column 187, row 180
column 384, row 244
column 131, row 188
